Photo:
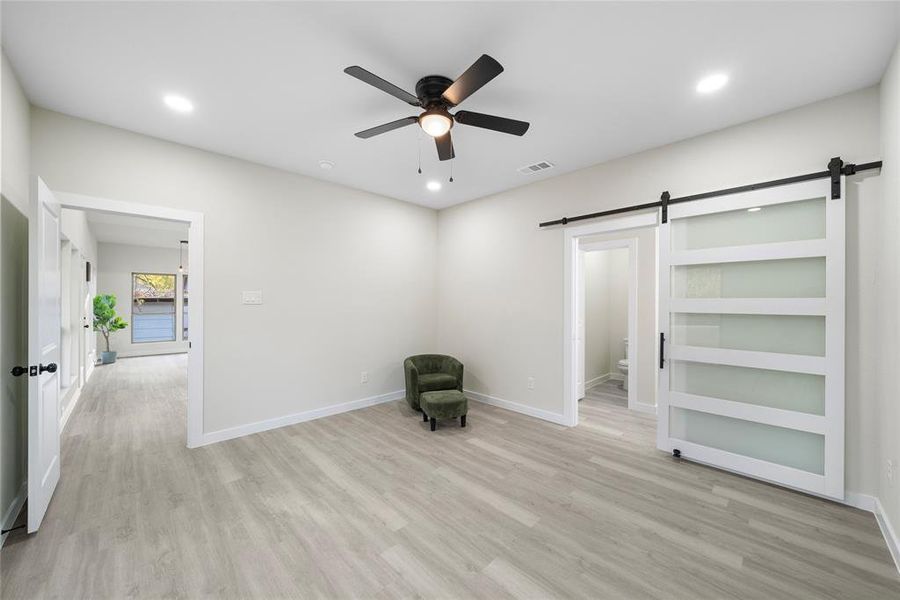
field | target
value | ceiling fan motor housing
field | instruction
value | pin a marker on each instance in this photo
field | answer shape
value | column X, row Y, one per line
column 429, row 90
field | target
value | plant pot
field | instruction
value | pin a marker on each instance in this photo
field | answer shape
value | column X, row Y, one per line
column 108, row 358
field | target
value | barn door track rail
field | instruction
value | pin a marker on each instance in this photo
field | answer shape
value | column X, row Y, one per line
column 836, row 169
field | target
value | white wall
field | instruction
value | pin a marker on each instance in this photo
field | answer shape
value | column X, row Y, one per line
column 14, row 186
column 117, row 263
column 884, row 326
column 500, row 284
column 74, row 226
column 606, row 311
column 14, row 138
column 596, row 316
column 348, row 277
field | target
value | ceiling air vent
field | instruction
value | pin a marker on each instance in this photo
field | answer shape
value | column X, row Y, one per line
column 536, row 168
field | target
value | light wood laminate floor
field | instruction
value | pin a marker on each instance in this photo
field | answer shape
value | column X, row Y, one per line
column 370, row 504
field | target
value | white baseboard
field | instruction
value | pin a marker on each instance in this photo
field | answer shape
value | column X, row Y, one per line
column 90, row 369
column 590, row 383
column 317, row 413
column 873, row 505
column 644, row 408
column 889, row 533
column 149, row 352
column 13, row 510
column 538, row 413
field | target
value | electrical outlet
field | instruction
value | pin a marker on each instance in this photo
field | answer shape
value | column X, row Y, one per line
column 890, row 470
column 252, row 297
column 531, row 383
column 364, row 377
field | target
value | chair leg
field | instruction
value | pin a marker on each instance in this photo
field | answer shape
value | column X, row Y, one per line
column 462, row 421
column 433, row 423
column 424, row 417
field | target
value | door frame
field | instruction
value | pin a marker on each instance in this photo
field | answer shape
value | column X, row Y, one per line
column 195, row 308
column 630, row 244
column 571, row 241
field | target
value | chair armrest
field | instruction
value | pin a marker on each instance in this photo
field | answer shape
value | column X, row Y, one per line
column 455, row 368
column 412, row 382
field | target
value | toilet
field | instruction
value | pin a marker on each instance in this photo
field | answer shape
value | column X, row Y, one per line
column 622, row 365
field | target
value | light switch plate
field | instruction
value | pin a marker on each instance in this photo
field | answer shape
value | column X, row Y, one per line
column 252, row 297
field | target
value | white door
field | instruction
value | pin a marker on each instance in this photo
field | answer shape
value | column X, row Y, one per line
column 579, row 326
column 752, row 310
column 44, row 354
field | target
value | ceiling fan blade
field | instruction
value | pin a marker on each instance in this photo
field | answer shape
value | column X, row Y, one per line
column 482, row 70
column 367, row 133
column 381, row 84
column 445, row 147
column 501, row 124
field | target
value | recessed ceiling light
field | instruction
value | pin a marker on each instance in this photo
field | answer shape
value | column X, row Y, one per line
column 754, row 209
column 433, row 185
column 326, row 164
column 178, row 103
column 712, row 83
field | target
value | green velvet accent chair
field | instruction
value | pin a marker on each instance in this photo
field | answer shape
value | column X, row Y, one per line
column 431, row 373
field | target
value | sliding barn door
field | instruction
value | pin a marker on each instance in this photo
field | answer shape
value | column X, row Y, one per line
column 752, row 310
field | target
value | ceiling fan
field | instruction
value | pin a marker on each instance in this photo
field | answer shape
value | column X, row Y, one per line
column 437, row 94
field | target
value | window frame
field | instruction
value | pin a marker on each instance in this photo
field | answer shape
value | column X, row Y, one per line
column 174, row 277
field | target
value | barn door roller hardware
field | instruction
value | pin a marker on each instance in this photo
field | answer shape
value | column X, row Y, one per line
column 836, row 168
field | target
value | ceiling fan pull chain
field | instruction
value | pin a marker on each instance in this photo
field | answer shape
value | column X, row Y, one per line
column 451, row 171
column 419, row 144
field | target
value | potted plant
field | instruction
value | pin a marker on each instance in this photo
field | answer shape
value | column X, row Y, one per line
column 106, row 321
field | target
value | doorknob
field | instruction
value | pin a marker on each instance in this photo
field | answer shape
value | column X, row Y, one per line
column 51, row 368
column 17, row 371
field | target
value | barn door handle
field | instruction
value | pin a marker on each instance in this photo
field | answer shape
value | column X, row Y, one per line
column 51, row 368
column 662, row 341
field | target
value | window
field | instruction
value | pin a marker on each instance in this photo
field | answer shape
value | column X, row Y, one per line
column 184, row 307
column 152, row 307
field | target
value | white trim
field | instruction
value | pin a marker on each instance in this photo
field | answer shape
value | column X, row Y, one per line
column 873, row 505
column 571, row 248
column 592, row 383
column 149, row 352
column 835, row 292
column 308, row 415
column 742, row 464
column 13, row 510
column 888, row 531
column 728, row 254
column 795, row 192
column 524, row 409
column 794, row 363
column 195, row 434
column 749, row 306
column 750, row 412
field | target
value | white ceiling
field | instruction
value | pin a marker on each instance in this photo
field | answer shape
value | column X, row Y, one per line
column 136, row 231
column 596, row 80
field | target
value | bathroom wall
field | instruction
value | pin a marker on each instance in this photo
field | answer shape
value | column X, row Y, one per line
column 606, row 312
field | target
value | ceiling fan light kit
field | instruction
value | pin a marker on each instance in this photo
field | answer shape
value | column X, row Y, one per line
column 437, row 95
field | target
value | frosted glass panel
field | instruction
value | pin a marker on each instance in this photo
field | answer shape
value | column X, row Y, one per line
column 804, row 220
column 790, row 278
column 799, row 392
column 760, row 333
column 788, row 447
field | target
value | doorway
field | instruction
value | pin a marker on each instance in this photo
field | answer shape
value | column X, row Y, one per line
column 633, row 236
column 190, row 312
